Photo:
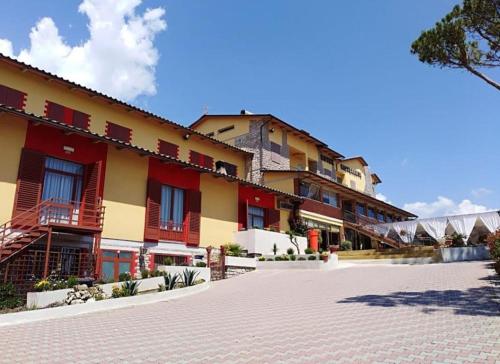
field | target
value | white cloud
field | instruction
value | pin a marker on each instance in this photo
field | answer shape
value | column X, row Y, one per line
column 444, row 206
column 382, row 197
column 481, row 192
column 118, row 58
column 6, row 47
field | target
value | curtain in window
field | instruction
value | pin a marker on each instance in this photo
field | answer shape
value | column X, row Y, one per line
column 256, row 217
column 178, row 208
column 166, row 203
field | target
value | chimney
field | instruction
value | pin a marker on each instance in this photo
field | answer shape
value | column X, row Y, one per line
column 245, row 112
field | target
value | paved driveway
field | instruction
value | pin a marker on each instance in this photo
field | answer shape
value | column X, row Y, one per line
column 429, row 313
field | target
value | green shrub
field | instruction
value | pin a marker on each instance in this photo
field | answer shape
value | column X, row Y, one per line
column 43, row 285
column 290, row 251
column 72, row 281
column 168, row 261
column 130, row 288
column 116, row 292
column 278, row 258
column 201, row 264
column 275, row 249
column 233, row 249
column 346, row 245
column 145, row 273
column 262, row 259
column 170, row 281
column 8, row 296
column 124, row 277
column 189, row 277
column 311, row 257
column 309, row 251
column 161, row 288
column 270, row 259
column 155, row 273
column 293, row 257
column 301, row 258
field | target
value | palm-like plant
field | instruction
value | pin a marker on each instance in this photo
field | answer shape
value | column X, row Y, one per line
column 189, row 277
column 170, row 281
column 130, row 288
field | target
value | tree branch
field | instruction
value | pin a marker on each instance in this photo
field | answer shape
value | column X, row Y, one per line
column 483, row 77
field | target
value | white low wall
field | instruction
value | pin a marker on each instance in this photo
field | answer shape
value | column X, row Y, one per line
column 465, row 253
column 240, row 262
column 96, row 306
column 44, row 299
column 300, row 264
column 258, row 241
column 172, row 269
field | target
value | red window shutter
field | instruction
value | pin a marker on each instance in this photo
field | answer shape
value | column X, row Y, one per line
column 273, row 219
column 12, row 98
column 194, row 157
column 242, row 215
column 153, row 206
column 29, row 181
column 167, row 148
column 55, row 111
column 118, row 132
column 81, row 120
column 193, row 198
column 208, row 162
column 91, row 195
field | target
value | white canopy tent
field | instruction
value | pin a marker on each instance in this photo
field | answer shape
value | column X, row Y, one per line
column 438, row 227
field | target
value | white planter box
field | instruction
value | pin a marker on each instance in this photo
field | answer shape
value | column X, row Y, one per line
column 44, row 299
column 241, row 262
column 147, row 284
column 257, row 241
column 465, row 253
column 172, row 269
column 300, row 264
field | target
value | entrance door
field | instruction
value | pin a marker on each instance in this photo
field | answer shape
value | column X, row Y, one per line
column 116, row 262
column 62, row 183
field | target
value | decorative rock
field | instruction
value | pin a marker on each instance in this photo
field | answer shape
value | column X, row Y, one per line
column 76, row 302
column 81, row 287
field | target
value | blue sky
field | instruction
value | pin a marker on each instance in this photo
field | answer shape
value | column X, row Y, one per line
column 341, row 70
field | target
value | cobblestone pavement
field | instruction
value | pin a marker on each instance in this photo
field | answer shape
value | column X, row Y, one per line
column 442, row 313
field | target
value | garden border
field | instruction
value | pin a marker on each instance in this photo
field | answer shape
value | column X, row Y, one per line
column 104, row 305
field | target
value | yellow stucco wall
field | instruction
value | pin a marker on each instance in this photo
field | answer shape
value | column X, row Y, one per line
column 145, row 132
column 212, row 125
column 12, row 137
column 125, row 195
column 348, row 177
column 219, row 211
column 279, row 181
column 284, row 225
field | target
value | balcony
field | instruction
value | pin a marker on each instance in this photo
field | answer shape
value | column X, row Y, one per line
column 321, row 208
column 171, row 231
column 358, row 219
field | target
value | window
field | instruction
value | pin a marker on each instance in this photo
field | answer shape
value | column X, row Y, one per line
column 275, row 152
column 118, row 132
column 227, row 128
column 201, row 159
column 62, row 180
column 255, row 217
column 389, row 218
column 371, row 212
column 360, row 209
column 67, row 115
column 172, row 208
column 380, row 217
column 326, row 159
column 116, row 262
column 327, row 172
column 170, row 149
column 225, row 167
column 12, row 98
column 309, row 190
column 330, row 198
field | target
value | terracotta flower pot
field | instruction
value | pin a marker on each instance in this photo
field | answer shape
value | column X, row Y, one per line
column 325, row 258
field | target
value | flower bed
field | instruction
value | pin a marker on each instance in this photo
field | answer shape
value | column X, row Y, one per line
column 308, row 261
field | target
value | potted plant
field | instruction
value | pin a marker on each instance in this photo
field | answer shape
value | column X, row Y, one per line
column 334, row 248
column 325, row 256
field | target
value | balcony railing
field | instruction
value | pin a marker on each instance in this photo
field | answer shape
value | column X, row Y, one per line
column 321, row 208
column 359, row 219
column 172, row 231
